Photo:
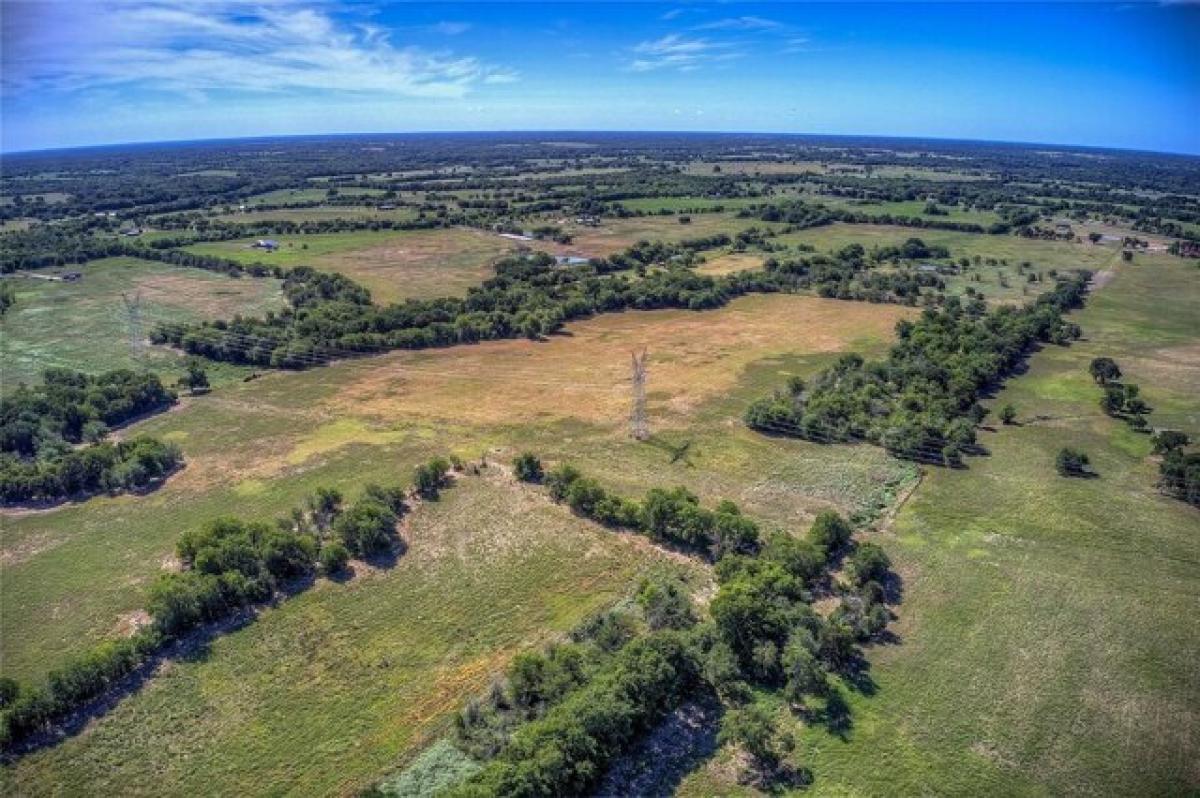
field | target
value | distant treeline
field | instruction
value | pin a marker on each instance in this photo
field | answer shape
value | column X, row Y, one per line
column 802, row 215
column 52, row 435
column 530, row 295
column 922, row 401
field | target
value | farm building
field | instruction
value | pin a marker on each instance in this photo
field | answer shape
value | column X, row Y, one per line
column 569, row 260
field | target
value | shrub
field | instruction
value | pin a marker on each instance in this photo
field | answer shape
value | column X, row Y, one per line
column 665, row 603
column 430, row 478
column 1072, row 463
column 334, row 557
column 1168, row 440
column 869, row 563
column 1008, row 414
column 366, row 528
column 528, row 468
column 559, row 480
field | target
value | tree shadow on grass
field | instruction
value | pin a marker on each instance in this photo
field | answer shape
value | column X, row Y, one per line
column 195, row 646
column 684, row 741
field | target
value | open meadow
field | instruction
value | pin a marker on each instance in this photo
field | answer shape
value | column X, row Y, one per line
column 257, row 448
column 1046, row 641
column 84, row 324
column 393, row 264
column 994, row 622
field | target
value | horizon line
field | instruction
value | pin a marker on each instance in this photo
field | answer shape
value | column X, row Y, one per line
column 593, row 131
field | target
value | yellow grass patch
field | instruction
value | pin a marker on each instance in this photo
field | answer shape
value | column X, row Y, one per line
column 421, row 264
column 732, row 262
column 585, row 374
column 337, row 434
column 213, row 299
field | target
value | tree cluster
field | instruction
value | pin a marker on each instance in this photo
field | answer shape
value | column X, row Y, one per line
column 52, row 436
column 228, row 564
column 922, row 401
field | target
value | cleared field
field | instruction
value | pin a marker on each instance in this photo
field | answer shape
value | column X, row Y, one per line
column 285, row 196
column 48, row 197
column 1048, row 635
column 755, row 168
column 319, row 214
column 325, row 692
column 257, row 448
column 652, row 204
column 421, row 264
column 614, row 235
column 84, row 325
column 394, row 265
column 913, row 208
column 729, row 263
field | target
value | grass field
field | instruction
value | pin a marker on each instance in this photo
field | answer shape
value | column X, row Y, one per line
column 285, row 196
column 913, row 208
column 652, row 204
column 1047, row 637
column 318, row 214
column 324, row 693
column 614, row 235
column 394, row 265
column 1043, row 255
column 257, row 448
column 84, row 324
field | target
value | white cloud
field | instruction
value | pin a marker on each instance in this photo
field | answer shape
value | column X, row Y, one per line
column 450, row 28
column 220, row 46
column 741, row 23
column 678, row 52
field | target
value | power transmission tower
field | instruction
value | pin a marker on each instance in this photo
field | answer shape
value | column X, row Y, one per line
column 640, row 428
column 133, row 310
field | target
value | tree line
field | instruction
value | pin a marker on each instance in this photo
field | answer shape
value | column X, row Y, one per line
column 1179, row 469
column 229, row 564
column 922, row 400
column 52, row 436
column 802, row 215
column 558, row 719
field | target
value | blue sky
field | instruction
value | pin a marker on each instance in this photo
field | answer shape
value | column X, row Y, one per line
column 99, row 71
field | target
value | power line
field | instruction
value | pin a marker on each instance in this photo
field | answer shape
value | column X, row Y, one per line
column 133, row 311
column 639, row 426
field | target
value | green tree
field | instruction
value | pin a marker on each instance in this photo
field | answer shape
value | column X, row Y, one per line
column 1113, row 400
column 1008, row 414
column 869, row 563
column 829, row 531
column 665, row 603
column 1169, row 440
column 367, row 528
column 333, row 557
column 429, row 478
column 1104, row 370
column 195, row 379
column 802, row 671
